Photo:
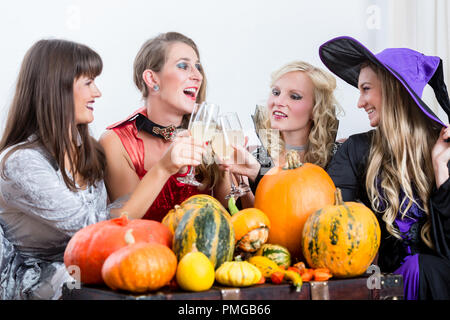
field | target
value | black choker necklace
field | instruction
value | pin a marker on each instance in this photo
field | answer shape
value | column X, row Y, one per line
column 144, row 123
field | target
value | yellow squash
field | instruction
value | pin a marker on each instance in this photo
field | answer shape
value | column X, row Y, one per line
column 195, row 272
column 238, row 274
column 267, row 267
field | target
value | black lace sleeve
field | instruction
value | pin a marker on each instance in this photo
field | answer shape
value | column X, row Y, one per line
column 347, row 167
column 336, row 147
column 266, row 163
column 440, row 219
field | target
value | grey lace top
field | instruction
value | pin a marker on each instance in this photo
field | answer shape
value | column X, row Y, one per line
column 38, row 216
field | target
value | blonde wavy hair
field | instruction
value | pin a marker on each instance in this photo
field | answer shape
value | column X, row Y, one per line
column 153, row 55
column 325, row 123
column 400, row 155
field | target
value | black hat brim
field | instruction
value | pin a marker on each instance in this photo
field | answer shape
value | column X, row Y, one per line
column 344, row 55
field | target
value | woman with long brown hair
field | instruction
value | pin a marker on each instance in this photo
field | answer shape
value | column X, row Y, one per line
column 52, row 169
column 170, row 77
column 399, row 169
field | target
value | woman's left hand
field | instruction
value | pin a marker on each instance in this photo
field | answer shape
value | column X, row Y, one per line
column 440, row 156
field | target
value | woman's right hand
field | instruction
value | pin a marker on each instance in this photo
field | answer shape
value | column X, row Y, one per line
column 183, row 152
column 243, row 163
column 440, row 156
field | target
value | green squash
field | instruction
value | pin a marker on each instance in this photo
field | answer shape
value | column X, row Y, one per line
column 207, row 228
column 277, row 253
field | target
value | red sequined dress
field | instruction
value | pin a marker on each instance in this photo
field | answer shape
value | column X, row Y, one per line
column 173, row 192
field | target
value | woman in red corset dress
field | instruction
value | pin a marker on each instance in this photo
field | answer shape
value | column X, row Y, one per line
column 168, row 72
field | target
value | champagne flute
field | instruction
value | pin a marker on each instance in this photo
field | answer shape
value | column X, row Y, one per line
column 238, row 139
column 230, row 133
column 202, row 126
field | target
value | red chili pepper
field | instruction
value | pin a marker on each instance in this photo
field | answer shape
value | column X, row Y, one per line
column 277, row 277
column 321, row 276
column 324, row 270
column 307, row 275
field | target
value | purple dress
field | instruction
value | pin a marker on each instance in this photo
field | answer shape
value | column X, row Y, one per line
column 409, row 227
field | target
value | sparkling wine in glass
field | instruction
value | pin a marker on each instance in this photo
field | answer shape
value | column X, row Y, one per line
column 202, row 126
column 230, row 133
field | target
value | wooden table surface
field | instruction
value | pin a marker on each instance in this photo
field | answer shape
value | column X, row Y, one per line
column 389, row 287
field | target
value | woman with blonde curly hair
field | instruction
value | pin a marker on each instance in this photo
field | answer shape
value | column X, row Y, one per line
column 399, row 169
column 300, row 115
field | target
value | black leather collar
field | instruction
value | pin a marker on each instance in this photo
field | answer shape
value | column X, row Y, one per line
column 145, row 124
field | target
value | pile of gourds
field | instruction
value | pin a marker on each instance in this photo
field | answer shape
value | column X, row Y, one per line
column 298, row 215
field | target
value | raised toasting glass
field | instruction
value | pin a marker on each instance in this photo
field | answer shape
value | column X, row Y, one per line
column 202, row 127
column 229, row 133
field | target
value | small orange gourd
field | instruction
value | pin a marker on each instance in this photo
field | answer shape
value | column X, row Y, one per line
column 251, row 227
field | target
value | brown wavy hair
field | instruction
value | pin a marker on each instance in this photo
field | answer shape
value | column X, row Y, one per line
column 153, row 55
column 43, row 105
column 325, row 110
column 400, row 155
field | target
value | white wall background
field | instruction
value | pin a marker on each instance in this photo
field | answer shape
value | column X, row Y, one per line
column 240, row 41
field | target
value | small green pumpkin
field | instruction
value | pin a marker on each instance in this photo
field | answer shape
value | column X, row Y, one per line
column 277, row 253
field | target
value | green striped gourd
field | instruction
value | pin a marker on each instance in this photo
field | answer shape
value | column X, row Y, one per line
column 277, row 253
column 174, row 216
column 205, row 227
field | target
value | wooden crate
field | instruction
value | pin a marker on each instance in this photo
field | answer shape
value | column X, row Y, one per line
column 390, row 288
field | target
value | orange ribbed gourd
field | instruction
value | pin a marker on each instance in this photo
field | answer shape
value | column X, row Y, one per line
column 140, row 267
column 251, row 227
column 343, row 237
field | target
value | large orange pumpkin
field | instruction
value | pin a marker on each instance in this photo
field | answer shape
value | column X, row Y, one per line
column 288, row 196
column 344, row 238
column 90, row 246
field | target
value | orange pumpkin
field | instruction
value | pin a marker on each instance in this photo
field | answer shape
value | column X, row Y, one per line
column 343, row 238
column 288, row 196
column 140, row 267
column 90, row 246
column 251, row 227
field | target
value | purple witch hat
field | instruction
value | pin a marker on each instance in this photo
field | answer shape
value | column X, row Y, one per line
column 344, row 55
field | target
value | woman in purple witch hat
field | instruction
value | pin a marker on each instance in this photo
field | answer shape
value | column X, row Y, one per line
column 399, row 169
